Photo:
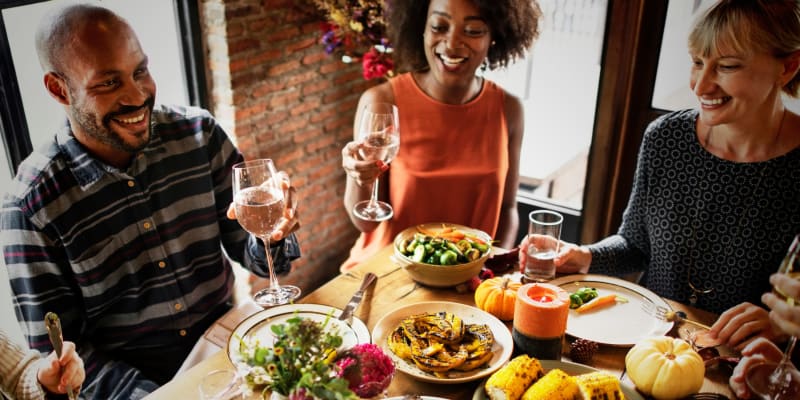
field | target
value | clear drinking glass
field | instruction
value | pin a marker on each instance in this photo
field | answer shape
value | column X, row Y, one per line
column 780, row 381
column 544, row 234
column 221, row 384
column 259, row 201
column 378, row 140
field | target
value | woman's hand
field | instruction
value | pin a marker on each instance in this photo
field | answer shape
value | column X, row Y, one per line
column 363, row 172
column 290, row 221
column 57, row 373
column 570, row 258
column 784, row 316
column 756, row 352
column 741, row 324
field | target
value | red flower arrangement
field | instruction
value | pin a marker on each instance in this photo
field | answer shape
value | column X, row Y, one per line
column 356, row 30
column 368, row 369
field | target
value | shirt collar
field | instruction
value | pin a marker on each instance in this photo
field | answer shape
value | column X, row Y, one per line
column 84, row 166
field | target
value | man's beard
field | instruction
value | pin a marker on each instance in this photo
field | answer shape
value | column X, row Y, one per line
column 103, row 132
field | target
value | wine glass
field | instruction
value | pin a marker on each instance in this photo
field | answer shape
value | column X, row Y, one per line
column 378, row 140
column 259, row 202
column 770, row 381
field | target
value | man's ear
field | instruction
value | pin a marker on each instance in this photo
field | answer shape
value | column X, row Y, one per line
column 56, row 87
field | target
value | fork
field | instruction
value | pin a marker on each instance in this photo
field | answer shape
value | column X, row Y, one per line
column 706, row 396
column 666, row 314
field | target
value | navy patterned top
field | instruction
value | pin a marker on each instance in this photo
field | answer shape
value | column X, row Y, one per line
column 135, row 262
column 695, row 219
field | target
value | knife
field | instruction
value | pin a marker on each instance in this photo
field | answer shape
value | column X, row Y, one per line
column 53, row 325
column 347, row 313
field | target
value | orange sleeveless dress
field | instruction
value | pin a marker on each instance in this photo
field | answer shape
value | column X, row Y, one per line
column 451, row 166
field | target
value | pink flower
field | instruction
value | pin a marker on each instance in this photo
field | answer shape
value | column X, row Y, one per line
column 376, row 64
column 368, row 369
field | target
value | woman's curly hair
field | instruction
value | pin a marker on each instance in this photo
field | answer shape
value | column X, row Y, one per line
column 514, row 25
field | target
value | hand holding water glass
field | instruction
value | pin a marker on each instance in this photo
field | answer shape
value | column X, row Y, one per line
column 378, row 132
column 260, row 206
column 544, row 241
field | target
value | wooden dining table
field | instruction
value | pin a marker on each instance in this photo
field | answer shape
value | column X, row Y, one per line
column 394, row 288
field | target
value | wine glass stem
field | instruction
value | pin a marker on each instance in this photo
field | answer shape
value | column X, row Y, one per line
column 273, row 280
column 373, row 199
column 789, row 350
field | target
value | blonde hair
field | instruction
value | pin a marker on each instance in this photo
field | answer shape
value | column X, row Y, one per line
column 770, row 26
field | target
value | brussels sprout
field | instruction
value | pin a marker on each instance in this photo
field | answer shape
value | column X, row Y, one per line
column 448, row 257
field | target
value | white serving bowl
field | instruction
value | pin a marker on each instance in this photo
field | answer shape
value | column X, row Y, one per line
column 440, row 275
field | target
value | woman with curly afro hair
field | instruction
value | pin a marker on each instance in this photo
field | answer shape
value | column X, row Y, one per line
column 460, row 134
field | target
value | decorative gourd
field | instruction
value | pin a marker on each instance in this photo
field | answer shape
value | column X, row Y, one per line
column 665, row 367
column 497, row 296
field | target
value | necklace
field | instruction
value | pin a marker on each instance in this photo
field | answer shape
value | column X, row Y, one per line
column 696, row 290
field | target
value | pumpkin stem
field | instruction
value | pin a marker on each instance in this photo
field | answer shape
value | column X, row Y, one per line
column 670, row 355
column 506, row 281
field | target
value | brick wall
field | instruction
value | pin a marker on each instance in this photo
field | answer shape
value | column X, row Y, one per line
column 280, row 96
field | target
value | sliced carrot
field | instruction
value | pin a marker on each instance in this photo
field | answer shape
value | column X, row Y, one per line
column 602, row 301
column 448, row 233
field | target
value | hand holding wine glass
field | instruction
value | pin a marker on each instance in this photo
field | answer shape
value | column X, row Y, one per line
column 262, row 204
column 378, row 140
column 782, row 381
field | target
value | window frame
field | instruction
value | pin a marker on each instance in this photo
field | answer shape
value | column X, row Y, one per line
column 14, row 127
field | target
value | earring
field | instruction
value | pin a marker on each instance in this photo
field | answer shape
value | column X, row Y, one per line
column 493, row 42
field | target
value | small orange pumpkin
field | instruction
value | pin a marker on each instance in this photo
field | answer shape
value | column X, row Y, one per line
column 497, row 296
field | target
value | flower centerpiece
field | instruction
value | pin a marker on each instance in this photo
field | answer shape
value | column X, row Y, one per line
column 302, row 363
column 356, row 30
column 368, row 369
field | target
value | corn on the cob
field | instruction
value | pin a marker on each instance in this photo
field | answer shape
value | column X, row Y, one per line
column 510, row 382
column 554, row 385
column 599, row 385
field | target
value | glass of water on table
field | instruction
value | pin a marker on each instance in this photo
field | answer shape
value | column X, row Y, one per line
column 544, row 239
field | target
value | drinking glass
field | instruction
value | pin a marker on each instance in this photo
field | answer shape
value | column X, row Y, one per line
column 544, row 233
column 378, row 140
column 259, row 202
column 770, row 381
column 221, row 384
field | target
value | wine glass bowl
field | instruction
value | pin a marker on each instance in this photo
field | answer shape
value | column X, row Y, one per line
column 770, row 381
column 378, row 139
column 759, row 377
column 259, row 202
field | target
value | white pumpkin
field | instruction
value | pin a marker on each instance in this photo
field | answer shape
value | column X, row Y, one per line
column 665, row 367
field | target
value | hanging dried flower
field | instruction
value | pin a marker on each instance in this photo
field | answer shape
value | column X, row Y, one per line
column 356, row 31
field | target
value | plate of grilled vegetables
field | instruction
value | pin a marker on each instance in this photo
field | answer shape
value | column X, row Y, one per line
column 529, row 378
column 444, row 342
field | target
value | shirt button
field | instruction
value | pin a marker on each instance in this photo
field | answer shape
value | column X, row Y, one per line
column 162, row 264
column 182, row 332
column 178, row 306
column 146, row 225
column 131, row 183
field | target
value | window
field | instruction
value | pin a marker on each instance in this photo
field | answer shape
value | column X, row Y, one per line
column 558, row 85
column 31, row 117
column 671, row 91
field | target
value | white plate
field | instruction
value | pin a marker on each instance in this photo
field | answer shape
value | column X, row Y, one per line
column 623, row 324
column 257, row 326
column 571, row 369
column 503, row 344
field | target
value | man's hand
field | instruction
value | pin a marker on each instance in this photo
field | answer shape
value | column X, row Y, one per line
column 290, row 221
